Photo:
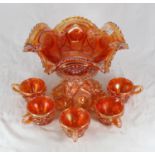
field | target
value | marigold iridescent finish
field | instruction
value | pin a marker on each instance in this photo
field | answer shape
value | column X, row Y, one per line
column 123, row 88
column 75, row 43
column 74, row 122
column 76, row 49
column 30, row 88
column 109, row 110
column 77, row 93
column 40, row 110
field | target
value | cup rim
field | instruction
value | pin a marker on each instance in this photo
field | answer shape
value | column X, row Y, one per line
column 110, row 116
column 74, row 128
column 27, row 94
column 124, row 93
column 41, row 115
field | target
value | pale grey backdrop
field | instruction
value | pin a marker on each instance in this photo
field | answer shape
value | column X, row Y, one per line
column 138, row 64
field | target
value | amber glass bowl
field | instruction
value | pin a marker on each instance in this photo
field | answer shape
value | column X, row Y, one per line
column 30, row 88
column 74, row 122
column 109, row 110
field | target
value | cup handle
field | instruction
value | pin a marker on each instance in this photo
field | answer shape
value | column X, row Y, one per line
column 137, row 89
column 15, row 87
column 75, row 135
column 117, row 122
column 27, row 119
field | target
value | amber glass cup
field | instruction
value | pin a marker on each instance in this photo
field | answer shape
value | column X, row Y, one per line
column 74, row 122
column 30, row 88
column 109, row 110
column 123, row 88
column 40, row 110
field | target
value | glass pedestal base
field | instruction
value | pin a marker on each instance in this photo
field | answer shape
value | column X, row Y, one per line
column 77, row 93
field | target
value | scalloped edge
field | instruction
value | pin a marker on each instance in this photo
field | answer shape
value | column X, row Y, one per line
column 32, row 40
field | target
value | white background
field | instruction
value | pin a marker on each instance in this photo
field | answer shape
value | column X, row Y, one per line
column 137, row 21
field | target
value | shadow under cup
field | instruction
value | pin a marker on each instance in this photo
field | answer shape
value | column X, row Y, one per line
column 74, row 122
column 40, row 110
